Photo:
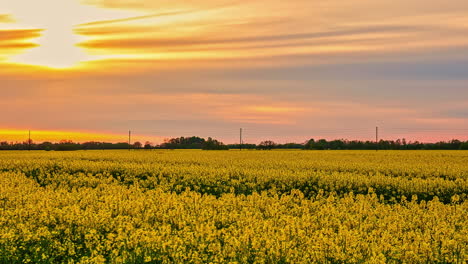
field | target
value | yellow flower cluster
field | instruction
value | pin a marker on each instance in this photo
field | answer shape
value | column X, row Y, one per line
column 393, row 175
column 233, row 207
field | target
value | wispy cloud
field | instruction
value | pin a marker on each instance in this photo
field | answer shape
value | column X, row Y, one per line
column 17, row 40
column 230, row 39
column 19, row 34
column 129, row 19
column 158, row 4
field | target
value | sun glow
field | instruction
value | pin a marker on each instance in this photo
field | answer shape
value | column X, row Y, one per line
column 57, row 46
column 37, row 136
column 56, row 49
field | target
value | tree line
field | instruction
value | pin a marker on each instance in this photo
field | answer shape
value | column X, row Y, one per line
column 213, row 144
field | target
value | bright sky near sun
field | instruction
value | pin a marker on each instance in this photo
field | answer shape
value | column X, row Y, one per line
column 57, row 47
column 282, row 70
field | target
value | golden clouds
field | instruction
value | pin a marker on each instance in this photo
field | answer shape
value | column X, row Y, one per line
column 203, row 30
column 16, row 41
column 19, row 35
column 158, row 4
column 199, row 29
column 212, row 30
column 55, row 48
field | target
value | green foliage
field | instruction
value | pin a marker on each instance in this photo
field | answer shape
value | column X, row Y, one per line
column 464, row 146
column 213, row 144
column 267, row 145
column 198, row 143
column 67, row 147
column 192, row 206
column 183, row 143
column 399, row 144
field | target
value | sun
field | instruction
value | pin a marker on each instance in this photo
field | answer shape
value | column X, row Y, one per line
column 57, row 47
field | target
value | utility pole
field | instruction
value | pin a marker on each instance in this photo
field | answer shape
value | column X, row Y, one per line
column 240, row 139
column 376, row 138
column 129, row 139
column 29, row 141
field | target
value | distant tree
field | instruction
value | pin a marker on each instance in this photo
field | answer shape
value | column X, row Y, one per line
column 67, row 145
column 183, row 143
column 290, row 146
column 148, row 145
column 464, row 146
column 244, row 146
column 213, row 144
column 199, row 143
column 266, row 145
column 47, row 146
column 310, row 144
column 91, row 145
column 455, row 144
column 137, row 145
column 317, row 145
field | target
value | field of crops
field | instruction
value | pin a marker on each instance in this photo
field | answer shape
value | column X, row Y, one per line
column 193, row 206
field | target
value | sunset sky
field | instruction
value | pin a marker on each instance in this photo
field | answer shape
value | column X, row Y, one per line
column 281, row 70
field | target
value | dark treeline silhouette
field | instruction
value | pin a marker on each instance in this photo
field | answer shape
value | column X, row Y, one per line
column 213, row 144
column 267, row 145
column 64, row 145
column 68, row 145
column 192, row 143
column 183, row 143
column 399, row 144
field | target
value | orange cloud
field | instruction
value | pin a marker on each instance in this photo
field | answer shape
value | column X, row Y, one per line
column 240, row 30
column 113, row 30
column 149, row 5
column 129, row 19
column 14, row 41
column 19, row 34
column 232, row 29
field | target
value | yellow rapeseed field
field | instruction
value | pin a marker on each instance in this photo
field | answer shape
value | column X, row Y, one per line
column 192, row 206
